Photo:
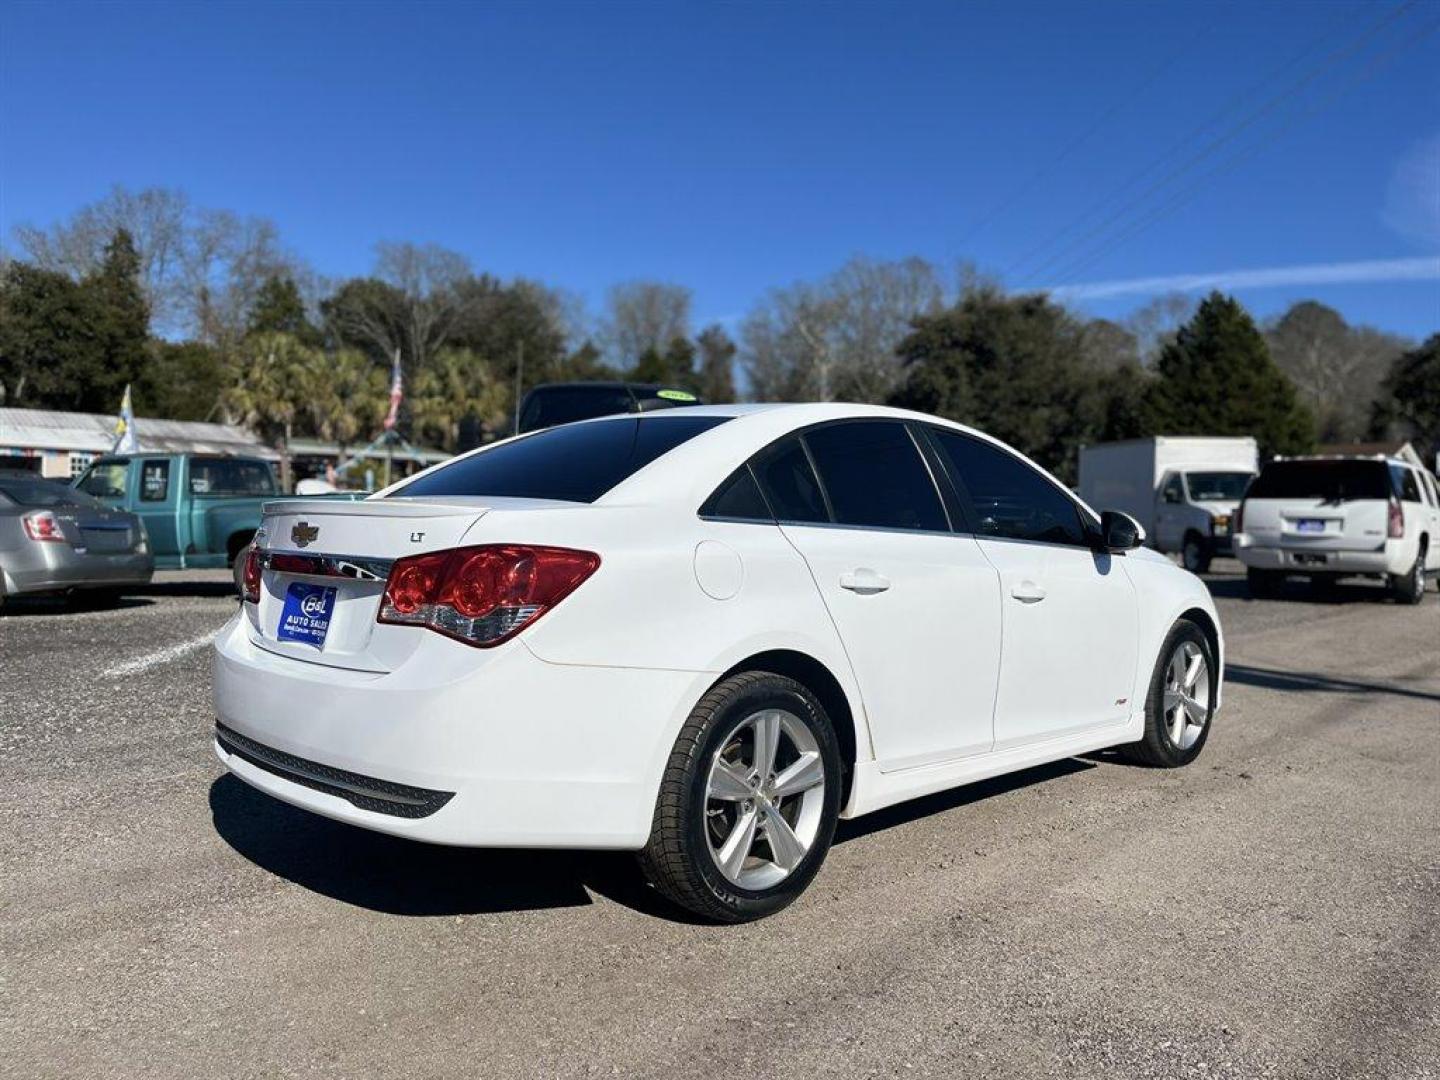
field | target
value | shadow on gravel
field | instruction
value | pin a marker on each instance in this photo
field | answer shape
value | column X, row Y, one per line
column 962, row 796
column 1303, row 592
column 225, row 588
column 1270, row 679
column 404, row 877
column 30, row 606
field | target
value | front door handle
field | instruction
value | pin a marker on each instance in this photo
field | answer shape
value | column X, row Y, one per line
column 1027, row 592
column 864, row 581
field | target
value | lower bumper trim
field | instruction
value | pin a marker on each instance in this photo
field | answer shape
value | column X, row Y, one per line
column 365, row 792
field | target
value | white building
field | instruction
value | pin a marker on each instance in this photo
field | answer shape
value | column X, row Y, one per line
column 63, row 444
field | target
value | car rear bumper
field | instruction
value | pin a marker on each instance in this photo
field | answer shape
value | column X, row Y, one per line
column 517, row 752
column 1312, row 560
column 56, row 567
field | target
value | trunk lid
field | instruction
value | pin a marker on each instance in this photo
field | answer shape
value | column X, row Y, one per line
column 96, row 529
column 313, row 546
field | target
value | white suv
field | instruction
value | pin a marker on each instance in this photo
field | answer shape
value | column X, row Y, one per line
column 1340, row 517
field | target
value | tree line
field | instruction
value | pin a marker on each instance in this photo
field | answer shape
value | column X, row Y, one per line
column 209, row 317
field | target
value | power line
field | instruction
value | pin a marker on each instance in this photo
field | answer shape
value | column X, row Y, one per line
column 1048, row 169
column 1217, row 142
column 1377, row 64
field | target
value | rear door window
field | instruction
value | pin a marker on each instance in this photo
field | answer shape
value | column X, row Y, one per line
column 572, row 463
column 1325, row 481
column 1009, row 498
column 875, row 477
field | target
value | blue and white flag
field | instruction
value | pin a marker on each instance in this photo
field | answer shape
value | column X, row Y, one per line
column 125, row 439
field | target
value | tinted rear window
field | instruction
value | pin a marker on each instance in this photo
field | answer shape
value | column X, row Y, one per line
column 1330, row 481
column 789, row 483
column 574, row 463
column 875, row 476
column 27, row 491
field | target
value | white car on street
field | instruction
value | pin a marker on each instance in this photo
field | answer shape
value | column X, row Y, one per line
column 703, row 636
column 1337, row 517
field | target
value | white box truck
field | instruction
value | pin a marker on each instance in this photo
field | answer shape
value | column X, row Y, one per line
column 1184, row 489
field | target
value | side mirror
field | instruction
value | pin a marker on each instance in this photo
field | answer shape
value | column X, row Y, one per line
column 1120, row 531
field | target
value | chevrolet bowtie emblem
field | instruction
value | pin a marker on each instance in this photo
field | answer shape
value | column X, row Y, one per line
column 304, row 534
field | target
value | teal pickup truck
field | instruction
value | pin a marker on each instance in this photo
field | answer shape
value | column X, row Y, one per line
column 199, row 509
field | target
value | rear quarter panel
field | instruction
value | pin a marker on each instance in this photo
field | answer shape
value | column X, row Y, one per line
column 646, row 607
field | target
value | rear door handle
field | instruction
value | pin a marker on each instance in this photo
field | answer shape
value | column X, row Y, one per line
column 1027, row 592
column 864, row 581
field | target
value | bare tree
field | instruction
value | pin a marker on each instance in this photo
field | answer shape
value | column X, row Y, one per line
column 1155, row 324
column 836, row 338
column 1336, row 368
column 199, row 268
column 644, row 316
column 410, row 306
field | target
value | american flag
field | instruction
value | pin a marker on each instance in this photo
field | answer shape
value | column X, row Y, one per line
column 397, row 394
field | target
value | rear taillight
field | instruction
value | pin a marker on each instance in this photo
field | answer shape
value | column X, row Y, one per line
column 43, row 525
column 482, row 595
column 250, row 577
column 1397, row 521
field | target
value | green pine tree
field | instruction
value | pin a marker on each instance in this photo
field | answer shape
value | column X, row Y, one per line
column 120, row 321
column 1217, row 378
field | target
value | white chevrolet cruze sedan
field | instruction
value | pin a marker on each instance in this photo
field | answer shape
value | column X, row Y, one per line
column 704, row 636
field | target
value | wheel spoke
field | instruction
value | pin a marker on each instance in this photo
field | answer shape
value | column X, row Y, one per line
column 1177, row 669
column 1195, row 711
column 784, row 844
column 804, row 773
column 1172, row 699
column 1177, row 725
column 731, row 855
column 767, row 743
column 1194, row 666
column 728, row 784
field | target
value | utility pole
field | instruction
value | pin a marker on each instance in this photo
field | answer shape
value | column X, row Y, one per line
column 519, row 380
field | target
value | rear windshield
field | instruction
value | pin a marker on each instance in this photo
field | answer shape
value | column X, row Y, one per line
column 1229, row 486
column 34, row 491
column 574, row 463
column 1329, row 481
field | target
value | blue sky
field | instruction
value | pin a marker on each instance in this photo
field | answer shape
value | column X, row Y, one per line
column 740, row 146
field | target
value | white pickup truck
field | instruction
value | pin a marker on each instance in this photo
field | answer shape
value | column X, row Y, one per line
column 1183, row 489
column 1329, row 518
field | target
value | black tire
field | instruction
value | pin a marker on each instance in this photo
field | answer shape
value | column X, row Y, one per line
column 677, row 859
column 1324, row 586
column 1263, row 584
column 1409, row 588
column 1156, row 748
column 1195, row 553
column 235, row 546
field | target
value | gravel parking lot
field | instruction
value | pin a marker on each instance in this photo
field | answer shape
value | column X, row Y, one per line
column 1274, row 910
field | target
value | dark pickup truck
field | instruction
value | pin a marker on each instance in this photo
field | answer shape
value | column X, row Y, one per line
column 200, row 510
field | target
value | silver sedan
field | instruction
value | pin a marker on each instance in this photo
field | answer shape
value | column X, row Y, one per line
column 55, row 539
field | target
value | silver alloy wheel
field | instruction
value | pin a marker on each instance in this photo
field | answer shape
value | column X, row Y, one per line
column 1187, row 695
column 764, row 799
